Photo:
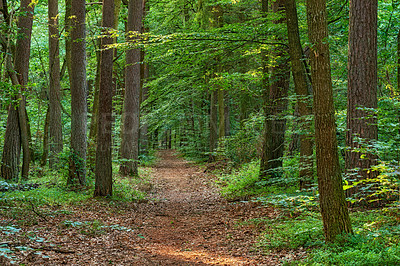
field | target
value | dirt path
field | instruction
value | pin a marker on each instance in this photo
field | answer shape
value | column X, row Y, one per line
column 188, row 223
column 185, row 222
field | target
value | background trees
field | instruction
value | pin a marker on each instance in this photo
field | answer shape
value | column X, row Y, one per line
column 212, row 69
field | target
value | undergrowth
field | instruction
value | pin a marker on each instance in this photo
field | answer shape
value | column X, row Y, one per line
column 29, row 207
column 244, row 183
column 298, row 227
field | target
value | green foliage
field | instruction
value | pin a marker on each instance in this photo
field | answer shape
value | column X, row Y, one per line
column 244, row 146
column 89, row 228
column 293, row 232
column 293, row 203
column 376, row 239
column 355, row 250
column 242, row 183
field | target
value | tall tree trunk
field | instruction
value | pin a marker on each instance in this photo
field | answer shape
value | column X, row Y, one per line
column 21, row 64
column 77, row 168
column 68, row 24
column 55, row 123
column 45, row 153
column 266, row 148
column 227, row 115
column 130, row 129
column 334, row 211
column 362, row 91
column 103, row 172
column 221, row 114
column 144, row 138
column 21, row 67
column 213, row 125
column 91, row 157
column 274, row 133
column 301, row 89
column 145, row 73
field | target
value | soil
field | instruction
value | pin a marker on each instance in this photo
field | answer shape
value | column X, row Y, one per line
column 184, row 222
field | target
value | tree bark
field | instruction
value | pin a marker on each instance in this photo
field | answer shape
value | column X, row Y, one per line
column 130, row 130
column 301, row 90
column 221, row 114
column 274, row 134
column 68, row 49
column 227, row 115
column 103, row 172
column 213, row 125
column 21, row 66
column 12, row 146
column 55, row 123
column 45, row 154
column 77, row 169
column 362, row 92
column 334, row 211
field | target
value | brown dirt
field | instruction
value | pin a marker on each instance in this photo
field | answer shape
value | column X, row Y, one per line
column 185, row 222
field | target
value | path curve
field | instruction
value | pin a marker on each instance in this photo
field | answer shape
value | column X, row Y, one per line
column 189, row 223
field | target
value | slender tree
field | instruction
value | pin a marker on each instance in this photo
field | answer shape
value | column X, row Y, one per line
column 334, row 211
column 130, row 130
column 55, row 123
column 276, row 105
column 77, row 169
column 362, row 128
column 213, row 124
column 302, row 93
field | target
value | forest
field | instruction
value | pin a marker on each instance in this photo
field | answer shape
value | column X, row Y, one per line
column 200, row 132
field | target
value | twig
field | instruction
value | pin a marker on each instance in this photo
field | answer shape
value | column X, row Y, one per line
column 37, row 213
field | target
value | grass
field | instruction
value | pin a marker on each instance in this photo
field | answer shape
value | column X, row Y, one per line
column 376, row 238
column 244, row 183
column 31, row 206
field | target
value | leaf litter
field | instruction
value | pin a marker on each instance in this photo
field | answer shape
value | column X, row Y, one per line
column 184, row 222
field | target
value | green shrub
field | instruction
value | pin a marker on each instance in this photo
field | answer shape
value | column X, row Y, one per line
column 303, row 231
column 242, row 183
column 355, row 250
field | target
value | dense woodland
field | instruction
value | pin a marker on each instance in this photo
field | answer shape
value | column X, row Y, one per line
column 294, row 104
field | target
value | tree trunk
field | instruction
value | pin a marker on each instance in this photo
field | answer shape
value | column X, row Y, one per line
column 301, row 89
column 274, row 134
column 103, row 172
column 77, row 169
column 144, row 138
column 266, row 147
column 213, row 125
column 130, row 116
column 20, row 77
column 55, row 123
column 221, row 114
column 21, row 64
column 227, row 115
column 362, row 92
column 334, row 211
column 68, row 49
column 45, row 153
column 91, row 156
column 12, row 146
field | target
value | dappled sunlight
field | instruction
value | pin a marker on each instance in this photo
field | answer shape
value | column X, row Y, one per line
column 199, row 256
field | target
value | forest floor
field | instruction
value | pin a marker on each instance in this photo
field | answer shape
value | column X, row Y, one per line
column 184, row 222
